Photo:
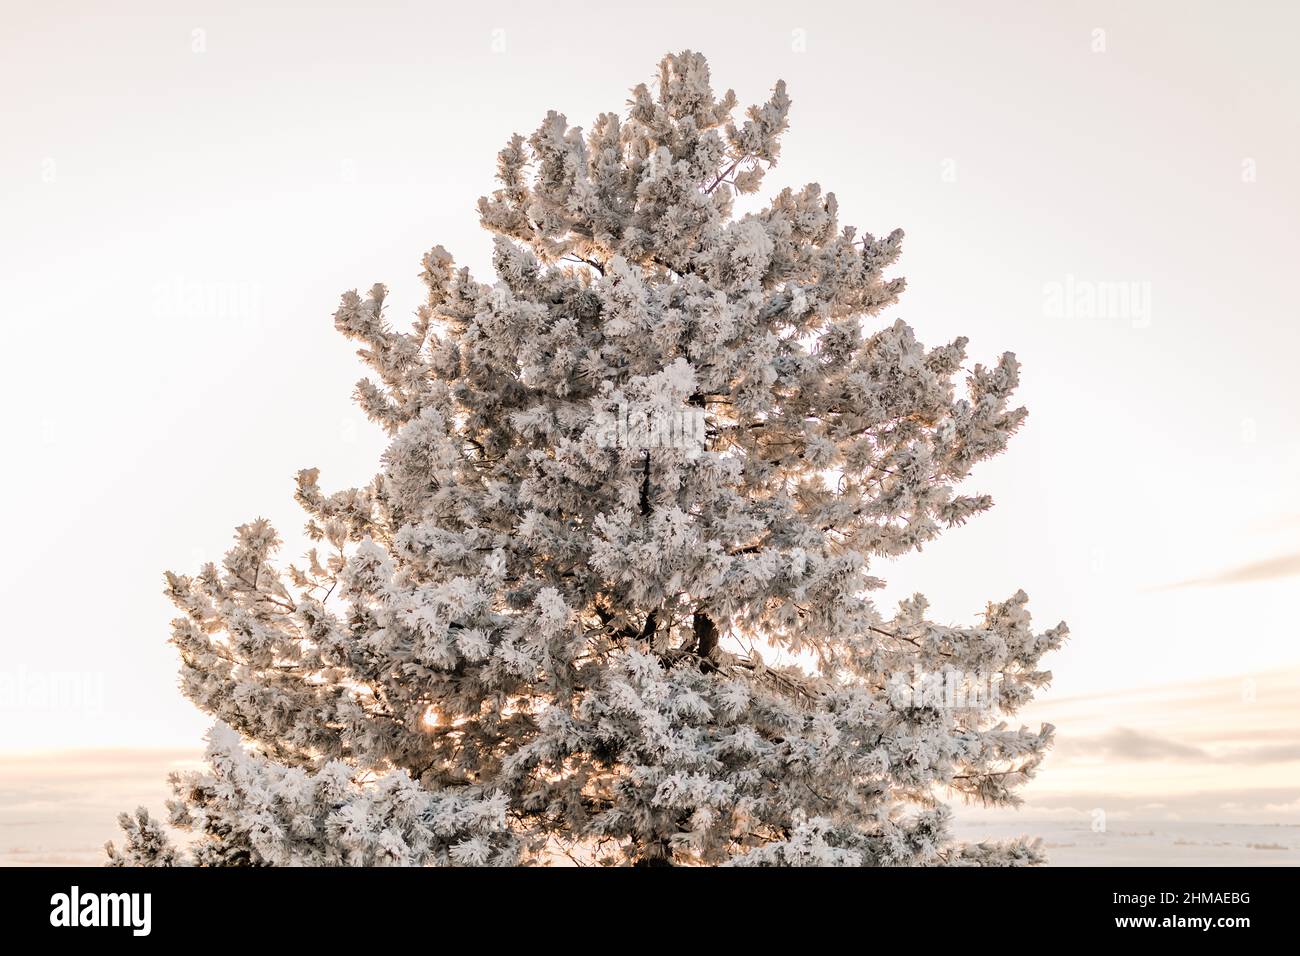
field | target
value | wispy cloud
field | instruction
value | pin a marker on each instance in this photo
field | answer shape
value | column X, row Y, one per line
column 1278, row 521
column 1265, row 806
column 1124, row 743
column 1227, row 748
column 1286, row 753
column 1285, row 566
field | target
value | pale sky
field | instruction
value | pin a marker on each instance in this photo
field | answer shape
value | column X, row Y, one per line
column 186, row 188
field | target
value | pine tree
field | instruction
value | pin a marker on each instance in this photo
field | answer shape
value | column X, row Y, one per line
column 609, row 595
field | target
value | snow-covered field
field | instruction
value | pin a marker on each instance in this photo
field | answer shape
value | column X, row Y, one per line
column 1151, row 842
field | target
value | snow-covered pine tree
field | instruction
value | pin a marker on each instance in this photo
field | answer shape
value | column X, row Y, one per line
column 535, row 633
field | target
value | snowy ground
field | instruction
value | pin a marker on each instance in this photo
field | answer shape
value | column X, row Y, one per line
column 1151, row 842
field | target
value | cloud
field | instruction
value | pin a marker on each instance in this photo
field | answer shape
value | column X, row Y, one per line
column 1283, row 753
column 1270, row 569
column 1262, row 805
column 1272, row 524
column 1124, row 743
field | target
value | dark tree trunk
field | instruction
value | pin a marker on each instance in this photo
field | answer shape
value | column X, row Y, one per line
column 706, row 639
